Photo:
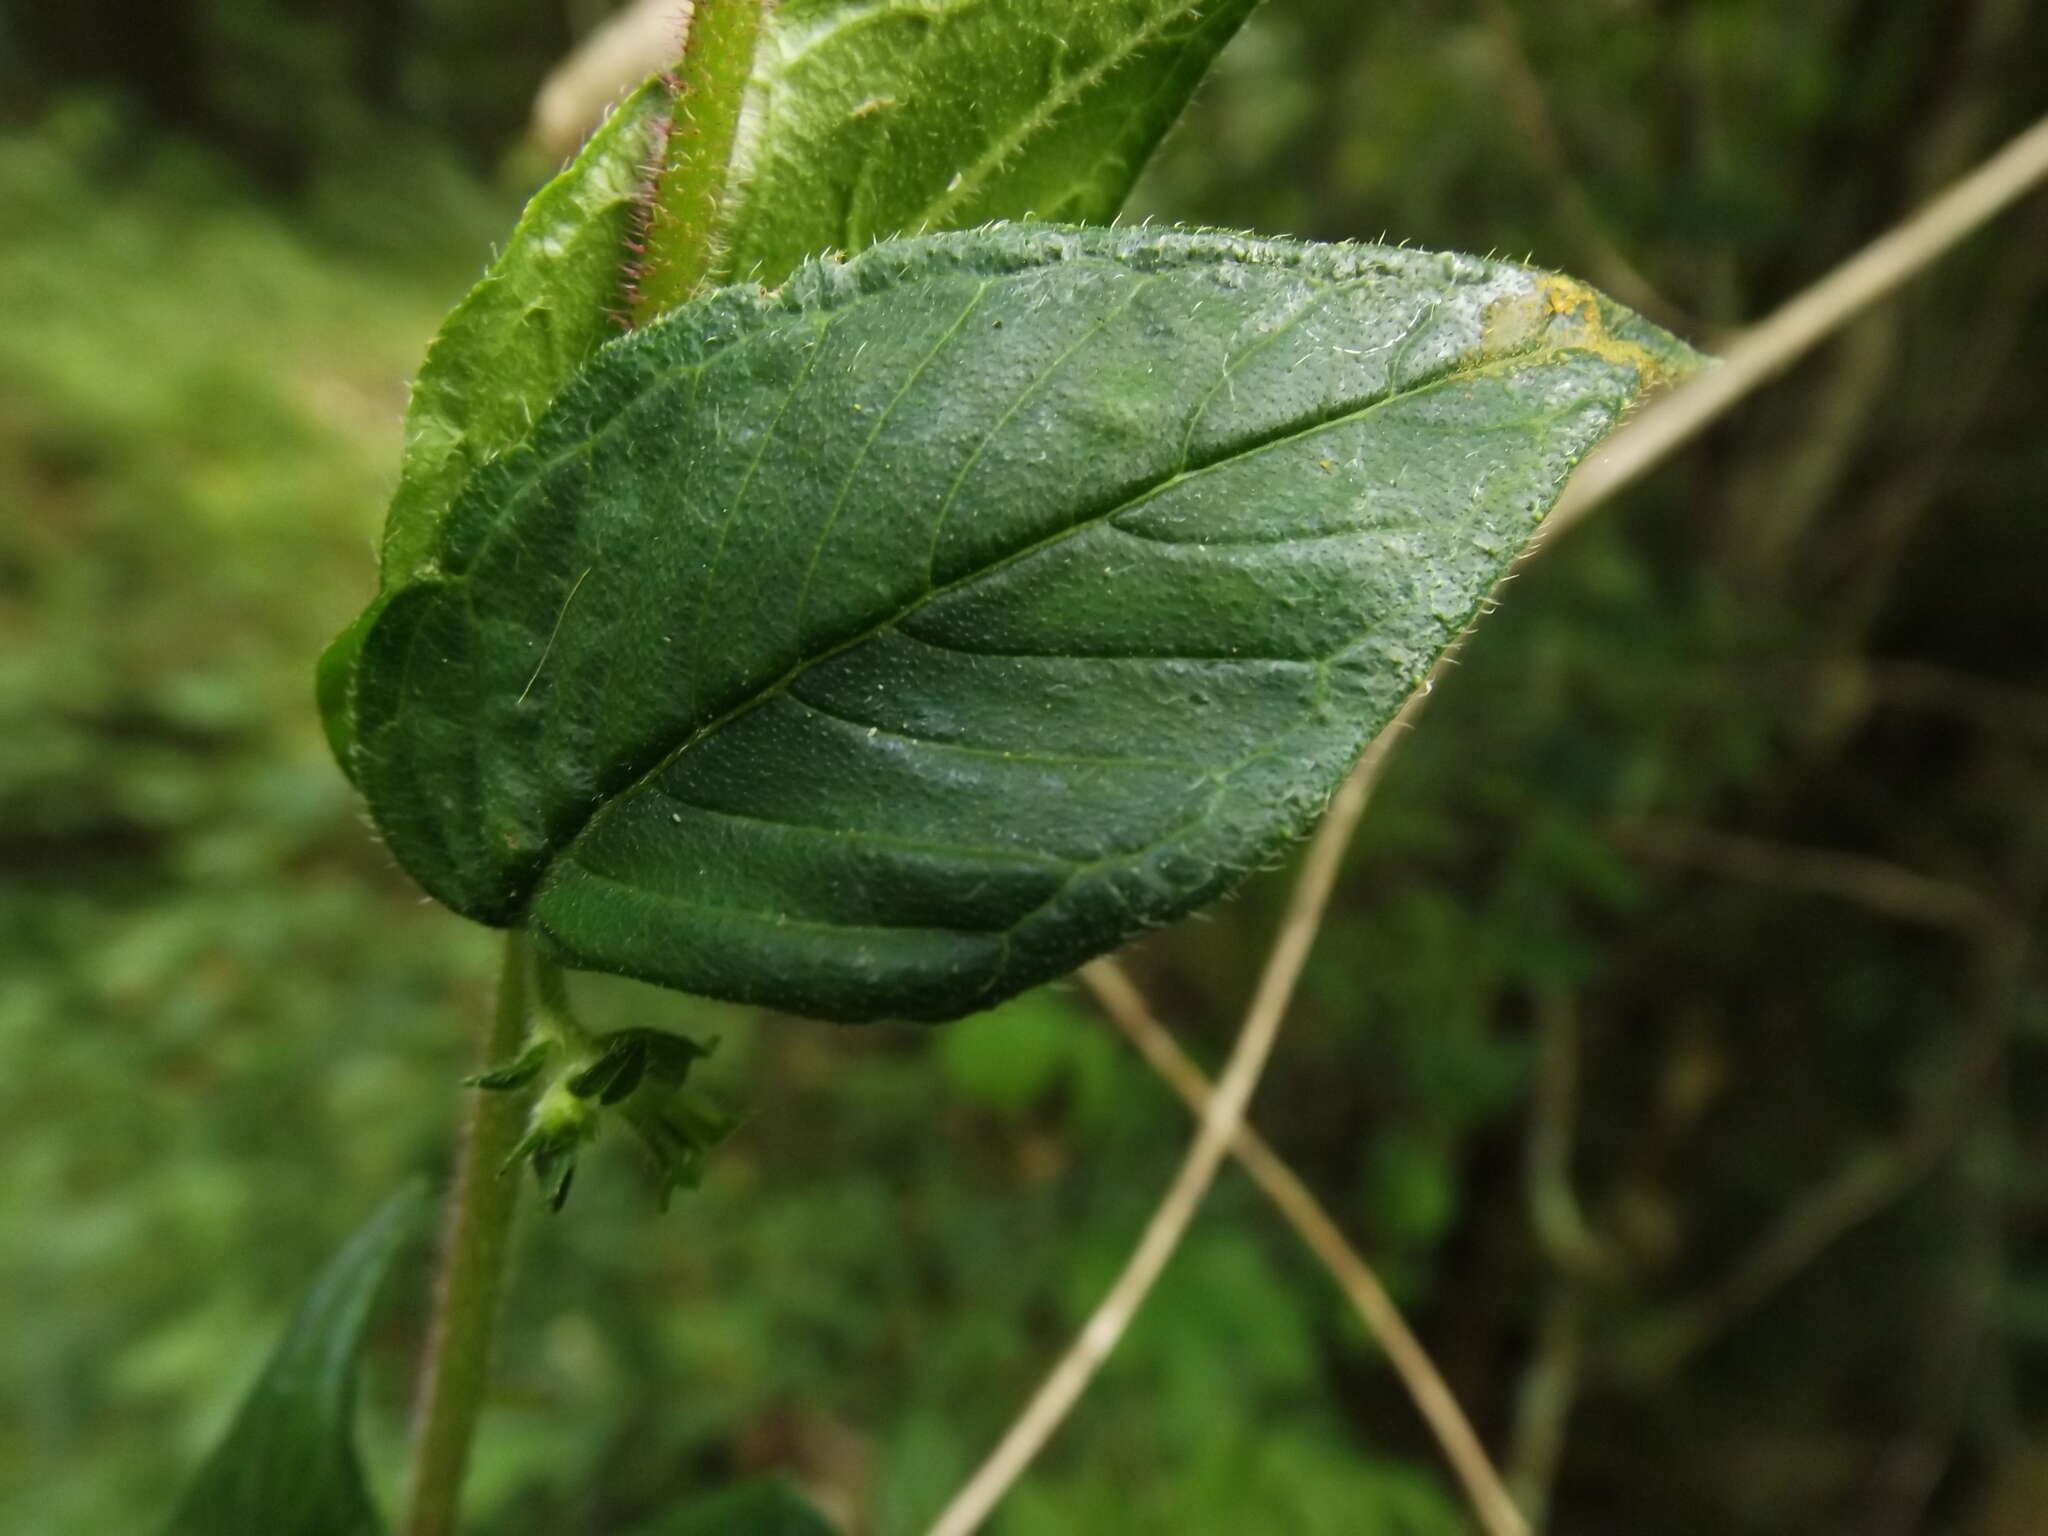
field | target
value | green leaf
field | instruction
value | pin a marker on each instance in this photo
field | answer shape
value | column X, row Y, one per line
column 288, row 1465
column 547, row 303
column 865, row 119
column 555, row 294
column 763, row 1507
column 894, row 641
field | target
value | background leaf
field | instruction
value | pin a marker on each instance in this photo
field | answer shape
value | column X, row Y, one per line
column 1009, row 1058
column 764, row 1507
column 288, row 1466
column 892, row 642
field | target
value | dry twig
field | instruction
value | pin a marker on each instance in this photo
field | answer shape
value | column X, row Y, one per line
column 1432, row 1396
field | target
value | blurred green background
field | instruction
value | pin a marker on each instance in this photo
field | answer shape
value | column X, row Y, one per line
column 1678, row 1045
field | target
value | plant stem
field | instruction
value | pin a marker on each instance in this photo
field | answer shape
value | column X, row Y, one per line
column 475, row 1245
column 686, row 245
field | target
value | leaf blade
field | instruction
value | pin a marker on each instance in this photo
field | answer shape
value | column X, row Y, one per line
column 866, row 119
column 288, row 1463
column 547, row 303
column 959, row 611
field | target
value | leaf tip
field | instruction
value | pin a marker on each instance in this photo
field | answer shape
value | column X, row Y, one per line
column 1558, row 312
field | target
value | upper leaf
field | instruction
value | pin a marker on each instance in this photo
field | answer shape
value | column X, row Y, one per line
column 289, row 1463
column 521, row 333
column 863, row 119
column 896, row 640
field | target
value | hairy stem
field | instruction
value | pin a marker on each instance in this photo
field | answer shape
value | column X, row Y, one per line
column 475, row 1245
column 683, row 238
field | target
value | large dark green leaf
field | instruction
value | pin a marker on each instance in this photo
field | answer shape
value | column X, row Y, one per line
column 896, row 640
column 764, row 1507
column 288, row 1466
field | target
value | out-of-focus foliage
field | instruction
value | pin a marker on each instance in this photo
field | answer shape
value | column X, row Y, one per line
column 765, row 1506
column 228, row 1027
column 289, row 1461
column 205, row 973
column 297, row 90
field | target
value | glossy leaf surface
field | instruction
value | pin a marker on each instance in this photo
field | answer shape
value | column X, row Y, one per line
column 894, row 641
column 288, row 1464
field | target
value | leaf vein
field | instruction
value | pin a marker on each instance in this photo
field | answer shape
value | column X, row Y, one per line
column 1023, row 857
column 695, row 647
column 999, row 754
column 860, row 458
column 1009, row 413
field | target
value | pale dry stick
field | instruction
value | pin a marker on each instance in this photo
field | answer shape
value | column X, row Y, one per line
column 1756, row 357
column 1766, row 349
column 1064, row 1385
column 1127, row 1009
column 631, row 45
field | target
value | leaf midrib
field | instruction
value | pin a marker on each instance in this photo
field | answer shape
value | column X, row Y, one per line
column 567, row 846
